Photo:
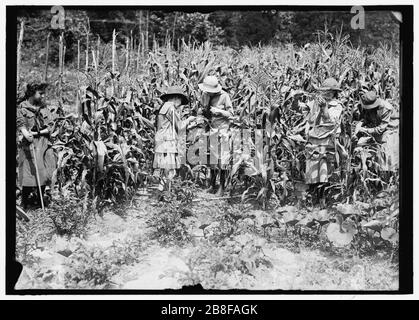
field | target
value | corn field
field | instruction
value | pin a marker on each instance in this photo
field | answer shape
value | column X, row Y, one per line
column 104, row 141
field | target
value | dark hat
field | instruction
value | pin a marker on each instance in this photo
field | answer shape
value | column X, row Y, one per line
column 175, row 91
column 329, row 84
column 32, row 88
column 369, row 100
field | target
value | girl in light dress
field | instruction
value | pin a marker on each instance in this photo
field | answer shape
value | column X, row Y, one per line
column 169, row 124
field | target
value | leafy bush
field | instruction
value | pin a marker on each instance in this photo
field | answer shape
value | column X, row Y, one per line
column 70, row 214
column 227, row 263
column 30, row 235
column 94, row 267
column 167, row 224
column 361, row 227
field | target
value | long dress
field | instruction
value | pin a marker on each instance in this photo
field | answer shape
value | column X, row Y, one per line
column 220, row 135
column 321, row 144
column 33, row 119
column 384, row 125
column 166, row 147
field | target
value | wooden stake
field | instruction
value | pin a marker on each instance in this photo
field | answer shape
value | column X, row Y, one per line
column 140, row 39
column 78, row 56
column 142, row 44
column 146, row 36
column 60, row 68
column 87, row 52
column 131, row 42
column 173, row 31
column 19, row 48
column 113, row 59
column 63, row 60
column 62, row 74
column 113, row 51
column 78, row 103
column 38, row 182
column 168, row 60
column 138, row 56
column 94, row 59
column 139, row 22
column 127, row 55
column 96, row 69
column 46, row 58
column 166, row 38
column 60, row 57
column 97, row 50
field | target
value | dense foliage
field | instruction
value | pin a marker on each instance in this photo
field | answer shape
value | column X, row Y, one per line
column 232, row 28
column 104, row 144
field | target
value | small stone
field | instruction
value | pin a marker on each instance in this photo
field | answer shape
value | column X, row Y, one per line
column 66, row 252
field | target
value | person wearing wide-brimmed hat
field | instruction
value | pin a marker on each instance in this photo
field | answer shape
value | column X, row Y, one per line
column 166, row 148
column 379, row 120
column 34, row 122
column 218, row 103
column 322, row 137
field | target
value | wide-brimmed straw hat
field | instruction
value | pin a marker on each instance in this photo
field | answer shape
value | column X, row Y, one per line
column 210, row 84
column 369, row 100
column 329, row 84
column 175, row 91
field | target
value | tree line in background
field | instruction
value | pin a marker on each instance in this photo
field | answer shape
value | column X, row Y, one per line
column 231, row 28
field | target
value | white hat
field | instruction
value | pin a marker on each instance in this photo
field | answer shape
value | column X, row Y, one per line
column 210, row 84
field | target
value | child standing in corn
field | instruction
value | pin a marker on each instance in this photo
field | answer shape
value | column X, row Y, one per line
column 322, row 141
column 220, row 107
column 166, row 157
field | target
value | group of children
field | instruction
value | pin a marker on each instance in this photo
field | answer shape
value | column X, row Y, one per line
column 323, row 146
column 169, row 123
column 36, row 161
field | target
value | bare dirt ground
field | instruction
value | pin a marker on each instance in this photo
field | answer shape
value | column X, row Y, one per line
column 118, row 252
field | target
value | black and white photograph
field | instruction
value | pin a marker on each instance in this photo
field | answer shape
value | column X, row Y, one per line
column 209, row 149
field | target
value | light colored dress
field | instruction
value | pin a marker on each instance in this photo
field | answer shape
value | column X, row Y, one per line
column 321, row 143
column 166, row 139
column 33, row 119
column 220, row 155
